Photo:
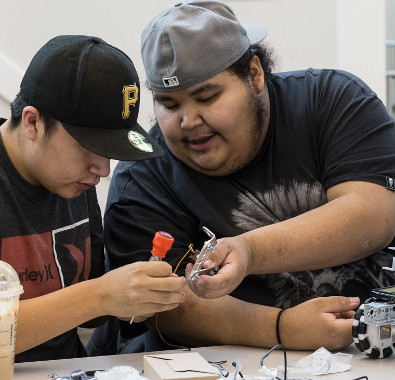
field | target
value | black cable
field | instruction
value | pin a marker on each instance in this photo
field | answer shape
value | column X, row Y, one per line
column 234, row 365
column 223, row 371
column 285, row 358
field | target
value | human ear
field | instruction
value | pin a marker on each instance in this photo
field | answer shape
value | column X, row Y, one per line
column 257, row 74
column 30, row 119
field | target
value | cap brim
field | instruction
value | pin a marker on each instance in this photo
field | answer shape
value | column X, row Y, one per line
column 126, row 144
column 256, row 33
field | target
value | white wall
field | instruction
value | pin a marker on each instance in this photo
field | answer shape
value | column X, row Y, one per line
column 346, row 34
column 390, row 23
column 4, row 108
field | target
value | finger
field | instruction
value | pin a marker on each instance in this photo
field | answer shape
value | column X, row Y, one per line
column 188, row 270
column 347, row 314
column 217, row 285
column 167, row 284
column 209, row 287
column 166, row 298
column 143, row 289
column 153, row 268
column 146, row 302
column 338, row 304
column 141, row 281
column 344, row 333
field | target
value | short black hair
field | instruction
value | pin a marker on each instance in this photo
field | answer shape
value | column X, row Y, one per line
column 17, row 106
column 265, row 54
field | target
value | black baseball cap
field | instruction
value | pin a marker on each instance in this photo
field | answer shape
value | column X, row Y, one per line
column 93, row 89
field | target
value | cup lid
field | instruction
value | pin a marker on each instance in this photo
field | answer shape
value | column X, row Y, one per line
column 9, row 281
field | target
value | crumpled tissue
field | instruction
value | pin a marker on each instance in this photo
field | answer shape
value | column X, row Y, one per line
column 320, row 362
column 121, row 372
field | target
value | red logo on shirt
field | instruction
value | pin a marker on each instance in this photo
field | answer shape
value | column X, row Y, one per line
column 49, row 261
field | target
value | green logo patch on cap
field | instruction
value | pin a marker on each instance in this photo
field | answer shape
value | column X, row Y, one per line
column 139, row 141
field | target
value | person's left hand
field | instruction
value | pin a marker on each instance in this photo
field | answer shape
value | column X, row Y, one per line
column 319, row 322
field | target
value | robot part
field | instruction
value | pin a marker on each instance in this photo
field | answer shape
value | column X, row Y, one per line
column 373, row 328
column 78, row 374
column 391, row 269
column 200, row 257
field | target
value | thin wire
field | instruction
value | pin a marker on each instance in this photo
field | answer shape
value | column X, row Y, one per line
column 237, row 372
column 190, row 249
column 223, row 371
column 285, row 358
column 183, row 257
column 164, row 340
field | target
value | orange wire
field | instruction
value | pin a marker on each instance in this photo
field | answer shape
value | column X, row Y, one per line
column 190, row 246
column 157, row 314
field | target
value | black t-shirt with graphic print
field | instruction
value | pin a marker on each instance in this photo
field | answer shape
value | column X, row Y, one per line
column 326, row 127
column 51, row 242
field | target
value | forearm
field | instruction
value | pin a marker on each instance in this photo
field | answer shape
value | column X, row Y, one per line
column 226, row 320
column 132, row 290
column 349, row 227
column 42, row 318
column 320, row 322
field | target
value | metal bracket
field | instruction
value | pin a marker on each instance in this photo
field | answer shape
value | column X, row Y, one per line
column 200, row 257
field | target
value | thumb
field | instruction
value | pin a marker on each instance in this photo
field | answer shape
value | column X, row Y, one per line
column 218, row 255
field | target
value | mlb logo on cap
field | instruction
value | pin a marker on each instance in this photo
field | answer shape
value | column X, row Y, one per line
column 170, row 82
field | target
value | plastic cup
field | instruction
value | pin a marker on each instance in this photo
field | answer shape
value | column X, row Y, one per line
column 10, row 290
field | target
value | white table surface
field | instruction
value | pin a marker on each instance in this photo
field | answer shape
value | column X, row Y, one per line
column 249, row 357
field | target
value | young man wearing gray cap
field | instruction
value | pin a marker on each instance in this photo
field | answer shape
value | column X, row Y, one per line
column 293, row 172
column 77, row 108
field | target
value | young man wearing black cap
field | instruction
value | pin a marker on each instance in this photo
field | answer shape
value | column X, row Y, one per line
column 293, row 173
column 77, row 108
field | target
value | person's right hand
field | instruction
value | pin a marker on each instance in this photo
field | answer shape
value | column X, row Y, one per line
column 320, row 322
column 233, row 256
column 141, row 288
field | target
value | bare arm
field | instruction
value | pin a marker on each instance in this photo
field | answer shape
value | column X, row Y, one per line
column 358, row 220
column 135, row 289
column 227, row 320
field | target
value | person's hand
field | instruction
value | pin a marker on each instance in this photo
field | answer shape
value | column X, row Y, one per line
column 140, row 289
column 233, row 257
column 320, row 322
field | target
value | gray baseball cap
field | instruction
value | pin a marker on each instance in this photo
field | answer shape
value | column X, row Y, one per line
column 192, row 41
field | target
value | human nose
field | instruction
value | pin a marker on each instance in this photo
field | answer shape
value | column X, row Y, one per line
column 190, row 117
column 100, row 166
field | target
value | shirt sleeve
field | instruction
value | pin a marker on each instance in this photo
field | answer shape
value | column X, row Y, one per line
column 356, row 135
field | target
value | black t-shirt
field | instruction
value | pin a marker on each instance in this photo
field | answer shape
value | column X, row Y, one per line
column 326, row 127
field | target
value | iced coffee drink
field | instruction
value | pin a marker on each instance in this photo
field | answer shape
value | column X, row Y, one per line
column 10, row 290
